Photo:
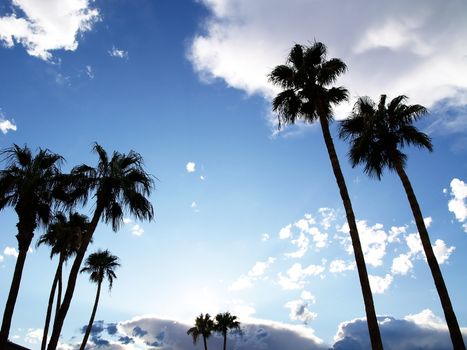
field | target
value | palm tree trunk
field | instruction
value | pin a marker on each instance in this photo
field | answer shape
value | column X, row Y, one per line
column 24, row 241
column 59, row 294
column 450, row 316
column 74, row 271
column 225, row 340
column 205, row 343
column 373, row 328
column 93, row 315
column 50, row 304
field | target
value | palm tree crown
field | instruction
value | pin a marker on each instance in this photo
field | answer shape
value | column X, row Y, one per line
column 305, row 80
column 101, row 265
column 204, row 325
column 223, row 323
column 377, row 133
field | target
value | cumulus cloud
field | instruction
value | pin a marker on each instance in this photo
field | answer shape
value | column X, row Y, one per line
column 402, row 264
column 442, row 251
column 258, row 270
column 300, row 309
column 44, row 26
column 10, row 251
column 419, row 44
column 296, row 275
column 339, row 265
column 6, row 125
column 457, row 204
column 422, row 331
column 137, row 230
column 154, row 332
column 34, row 336
column 190, row 167
column 114, row 52
column 380, row 284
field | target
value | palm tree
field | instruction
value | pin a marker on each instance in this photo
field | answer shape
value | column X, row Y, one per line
column 225, row 322
column 64, row 238
column 377, row 135
column 28, row 183
column 99, row 265
column 119, row 184
column 307, row 95
column 204, row 326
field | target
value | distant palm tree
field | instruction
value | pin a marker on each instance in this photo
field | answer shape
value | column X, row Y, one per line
column 64, row 238
column 307, row 95
column 118, row 184
column 225, row 322
column 377, row 135
column 99, row 265
column 204, row 326
column 28, row 183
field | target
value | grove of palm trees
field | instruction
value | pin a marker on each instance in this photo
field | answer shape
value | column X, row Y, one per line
column 51, row 206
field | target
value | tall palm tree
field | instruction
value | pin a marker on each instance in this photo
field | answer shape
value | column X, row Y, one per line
column 377, row 135
column 28, row 183
column 204, row 325
column 223, row 323
column 99, row 265
column 64, row 238
column 119, row 184
column 307, row 95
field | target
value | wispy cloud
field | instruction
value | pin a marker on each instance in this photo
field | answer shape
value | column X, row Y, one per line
column 114, row 52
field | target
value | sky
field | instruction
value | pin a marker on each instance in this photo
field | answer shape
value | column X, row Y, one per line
column 248, row 218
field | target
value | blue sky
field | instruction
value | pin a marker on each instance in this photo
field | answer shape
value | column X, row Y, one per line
column 248, row 219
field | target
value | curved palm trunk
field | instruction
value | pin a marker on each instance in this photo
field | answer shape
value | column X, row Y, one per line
column 373, row 328
column 24, row 241
column 50, row 304
column 205, row 343
column 74, row 271
column 91, row 320
column 451, row 320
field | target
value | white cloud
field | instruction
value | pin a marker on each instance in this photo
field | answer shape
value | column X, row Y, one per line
column 265, row 237
column 296, row 275
column 457, row 204
column 428, row 220
column 380, row 284
column 420, row 44
column 339, row 265
column 137, row 230
column 190, row 167
column 442, row 251
column 414, row 243
column 1, row 258
column 258, row 270
column 373, row 239
column 47, row 25
column 202, row 178
column 402, row 264
column 34, row 336
column 328, row 216
column 193, row 205
column 10, row 251
column 118, row 53
column 300, row 311
column 89, row 72
column 127, row 221
column 6, row 125
column 395, row 232
column 285, row 232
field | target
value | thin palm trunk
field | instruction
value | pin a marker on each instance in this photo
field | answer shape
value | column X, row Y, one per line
column 373, row 328
column 450, row 316
column 225, row 340
column 91, row 320
column 59, row 294
column 60, row 317
column 14, row 288
column 205, row 343
column 50, row 304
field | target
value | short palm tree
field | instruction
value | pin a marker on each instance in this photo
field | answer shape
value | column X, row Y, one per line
column 307, row 95
column 119, row 184
column 377, row 135
column 225, row 322
column 63, row 236
column 204, row 326
column 99, row 265
column 28, row 183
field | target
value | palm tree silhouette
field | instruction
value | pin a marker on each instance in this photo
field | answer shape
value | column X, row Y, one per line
column 377, row 134
column 28, row 183
column 119, row 184
column 223, row 323
column 99, row 265
column 64, row 238
column 307, row 95
column 204, row 326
